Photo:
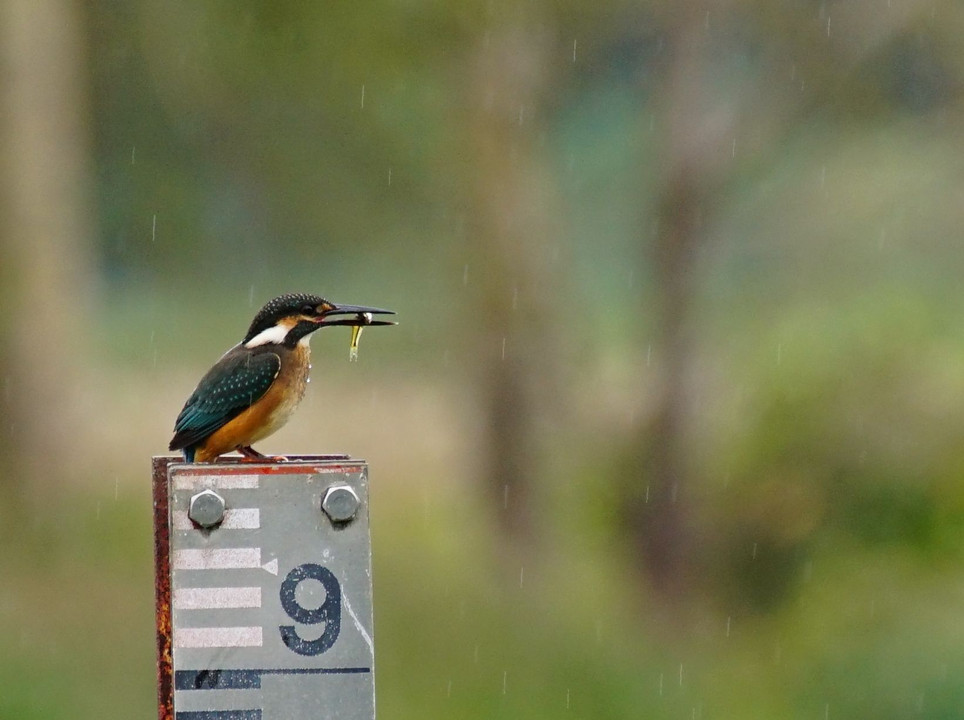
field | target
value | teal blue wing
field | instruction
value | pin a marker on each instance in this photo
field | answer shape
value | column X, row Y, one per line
column 235, row 383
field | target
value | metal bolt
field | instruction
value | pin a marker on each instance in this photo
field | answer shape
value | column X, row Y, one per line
column 340, row 503
column 207, row 509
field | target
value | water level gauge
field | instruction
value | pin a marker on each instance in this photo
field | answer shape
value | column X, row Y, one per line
column 264, row 591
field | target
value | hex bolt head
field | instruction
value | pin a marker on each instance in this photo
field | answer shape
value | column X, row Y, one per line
column 207, row 509
column 340, row 503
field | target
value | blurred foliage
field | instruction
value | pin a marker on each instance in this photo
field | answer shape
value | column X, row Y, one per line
column 502, row 174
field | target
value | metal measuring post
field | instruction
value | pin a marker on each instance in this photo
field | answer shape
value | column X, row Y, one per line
column 264, row 590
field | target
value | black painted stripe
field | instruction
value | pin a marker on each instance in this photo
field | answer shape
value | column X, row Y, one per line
column 316, row 671
column 247, row 679
column 218, row 715
column 217, row 679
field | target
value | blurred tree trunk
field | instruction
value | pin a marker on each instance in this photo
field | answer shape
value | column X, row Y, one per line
column 45, row 234
column 701, row 126
column 512, row 260
column 697, row 129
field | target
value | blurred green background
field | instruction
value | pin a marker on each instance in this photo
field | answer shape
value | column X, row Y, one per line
column 671, row 424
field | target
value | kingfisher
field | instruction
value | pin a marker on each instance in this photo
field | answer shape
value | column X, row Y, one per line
column 256, row 385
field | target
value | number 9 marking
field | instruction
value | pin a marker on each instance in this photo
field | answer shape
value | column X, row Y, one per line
column 329, row 612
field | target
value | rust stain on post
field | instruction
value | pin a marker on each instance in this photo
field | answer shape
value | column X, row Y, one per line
column 162, row 590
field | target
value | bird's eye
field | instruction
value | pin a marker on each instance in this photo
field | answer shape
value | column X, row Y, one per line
column 309, row 309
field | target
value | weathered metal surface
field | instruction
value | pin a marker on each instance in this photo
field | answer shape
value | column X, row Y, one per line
column 162, row 589
column 269, row 612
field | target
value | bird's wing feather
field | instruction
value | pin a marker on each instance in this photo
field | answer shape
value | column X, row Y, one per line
column 235, row 383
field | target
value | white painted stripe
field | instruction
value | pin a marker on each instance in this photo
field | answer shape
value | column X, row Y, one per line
column 217, row 558
column 211, row 637
column 216, row 598
column 225, row 482
column 234, row 519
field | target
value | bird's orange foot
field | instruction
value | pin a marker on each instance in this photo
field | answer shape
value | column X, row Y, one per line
column 249, row 454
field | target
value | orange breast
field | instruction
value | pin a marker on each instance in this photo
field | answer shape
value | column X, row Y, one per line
column 268, row 413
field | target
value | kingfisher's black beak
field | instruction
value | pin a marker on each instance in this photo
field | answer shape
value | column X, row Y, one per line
column 362, row 316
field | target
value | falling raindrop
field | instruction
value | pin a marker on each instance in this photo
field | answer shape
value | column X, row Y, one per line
column 363, row 97
column 728, row 619
column 133, row 153
column 661, row 684
column 505, row 679
column 154, row 228
column 567, row 699
column 503, row 348
column 522, row 574
column 465, row 274
column 389, row 176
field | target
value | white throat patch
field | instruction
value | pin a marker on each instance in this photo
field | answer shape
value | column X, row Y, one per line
column 274, row 335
